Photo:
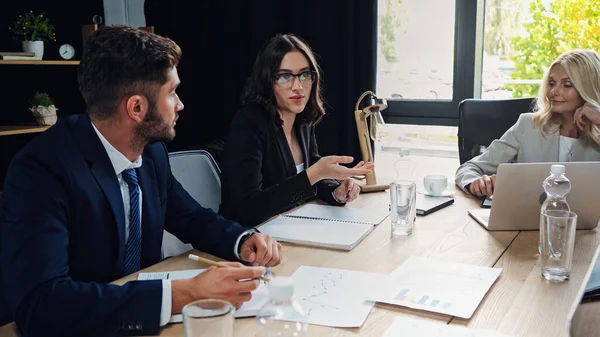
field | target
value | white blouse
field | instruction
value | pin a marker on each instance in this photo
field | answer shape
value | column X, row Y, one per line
column 566, row 148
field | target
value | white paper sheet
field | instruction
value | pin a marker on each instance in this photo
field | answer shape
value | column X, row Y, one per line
column 444, row 287
column 417, row 327
column 260, row 296
column 334, row 297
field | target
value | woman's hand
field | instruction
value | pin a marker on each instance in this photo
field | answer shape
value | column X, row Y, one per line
column 346, row 192
column 329, row 168
column 585, row 114
column 483, row 186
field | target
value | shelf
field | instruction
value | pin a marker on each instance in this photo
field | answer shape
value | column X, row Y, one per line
column 41, row 62
column 8, row 130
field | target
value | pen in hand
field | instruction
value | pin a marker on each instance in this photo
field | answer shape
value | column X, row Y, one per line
column 217, row 264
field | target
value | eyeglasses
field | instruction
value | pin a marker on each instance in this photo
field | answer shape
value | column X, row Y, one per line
column 286, row 80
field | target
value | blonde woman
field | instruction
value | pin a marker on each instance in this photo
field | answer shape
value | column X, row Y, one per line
column 563, row 127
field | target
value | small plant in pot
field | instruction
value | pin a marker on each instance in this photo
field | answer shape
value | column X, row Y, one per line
column 32, row 29
column 43, row 108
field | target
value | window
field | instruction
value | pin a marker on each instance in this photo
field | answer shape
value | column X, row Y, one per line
column 433, row 54
column 415, row 56
column 416, row 72
column 523, row 37
column 505, row 24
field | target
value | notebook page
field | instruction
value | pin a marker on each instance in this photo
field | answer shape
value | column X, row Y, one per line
column 314, row 232
column 372, row 214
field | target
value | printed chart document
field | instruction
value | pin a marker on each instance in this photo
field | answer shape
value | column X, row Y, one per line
column 334, row 297
column 326, row 226
column 428, row 284
column 422, row 328
column 260, row 296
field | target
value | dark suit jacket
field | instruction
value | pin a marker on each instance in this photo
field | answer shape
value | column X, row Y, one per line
column 62, row 235
column 259, row 176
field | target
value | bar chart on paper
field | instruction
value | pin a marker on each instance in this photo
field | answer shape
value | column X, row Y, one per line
column 444, row 287
column 406, row 296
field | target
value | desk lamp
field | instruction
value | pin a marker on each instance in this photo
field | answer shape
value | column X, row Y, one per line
column 368, row 105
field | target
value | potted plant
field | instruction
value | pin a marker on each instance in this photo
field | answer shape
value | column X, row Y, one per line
column 32, row 29
column 43, row 108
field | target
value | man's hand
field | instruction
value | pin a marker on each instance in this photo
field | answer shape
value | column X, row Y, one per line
column 230, row 284
column 483, row 186
column 261, row 250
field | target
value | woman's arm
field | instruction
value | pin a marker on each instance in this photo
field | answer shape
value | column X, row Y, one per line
column 325, row 187
column 503, row 150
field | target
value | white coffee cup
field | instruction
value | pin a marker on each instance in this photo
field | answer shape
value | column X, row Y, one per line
column 435, row 184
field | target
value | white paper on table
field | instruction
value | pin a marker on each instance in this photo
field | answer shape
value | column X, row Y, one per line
column 418, row 327
column 428, row 284
column 334, row 297
column 260, row 296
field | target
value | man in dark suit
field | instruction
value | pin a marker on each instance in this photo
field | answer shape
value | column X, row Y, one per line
column 86, row 203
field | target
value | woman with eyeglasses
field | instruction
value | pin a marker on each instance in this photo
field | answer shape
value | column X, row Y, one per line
column 271, row 161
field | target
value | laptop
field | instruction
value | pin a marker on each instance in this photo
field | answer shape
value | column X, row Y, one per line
column 518, row 196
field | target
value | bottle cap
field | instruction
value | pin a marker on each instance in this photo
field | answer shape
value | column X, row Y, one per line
column 281, row 288
column 404, row 152
column 557, row 169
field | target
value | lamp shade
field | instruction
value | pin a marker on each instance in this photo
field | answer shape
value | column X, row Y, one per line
column 371, row 104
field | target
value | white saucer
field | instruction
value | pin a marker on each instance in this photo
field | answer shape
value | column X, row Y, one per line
column 446, row 193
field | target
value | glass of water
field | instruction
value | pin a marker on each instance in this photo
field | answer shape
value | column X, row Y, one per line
column 403, row 200
column 558, row 241
column 204, row 318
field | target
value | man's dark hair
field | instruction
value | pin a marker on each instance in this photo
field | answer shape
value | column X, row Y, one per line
column 120, row 61
column 259, row 87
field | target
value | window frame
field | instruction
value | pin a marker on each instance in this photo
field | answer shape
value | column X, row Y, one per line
column 468, row 55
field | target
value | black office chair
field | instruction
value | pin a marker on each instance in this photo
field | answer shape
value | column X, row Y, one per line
column 481, row 121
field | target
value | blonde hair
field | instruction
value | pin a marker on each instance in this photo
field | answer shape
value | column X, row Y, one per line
column 583, row 68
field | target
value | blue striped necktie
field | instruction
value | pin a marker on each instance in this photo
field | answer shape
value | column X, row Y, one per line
column 133, row 247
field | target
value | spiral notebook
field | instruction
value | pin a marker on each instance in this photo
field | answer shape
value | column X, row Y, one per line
column 326, row 226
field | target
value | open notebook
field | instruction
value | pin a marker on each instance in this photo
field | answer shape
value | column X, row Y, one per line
column 326, row 226
column 260, row 296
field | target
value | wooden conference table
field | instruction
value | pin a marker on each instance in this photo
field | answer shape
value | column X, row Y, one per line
column 520, row 303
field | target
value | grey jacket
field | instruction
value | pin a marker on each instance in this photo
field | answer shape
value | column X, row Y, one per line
column 522, row 143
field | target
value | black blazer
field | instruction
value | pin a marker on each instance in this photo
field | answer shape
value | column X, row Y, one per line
column 259, row 178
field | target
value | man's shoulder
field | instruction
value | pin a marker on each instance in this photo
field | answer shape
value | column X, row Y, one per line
column 56, row 140
column 156, row 150
column 158, row 154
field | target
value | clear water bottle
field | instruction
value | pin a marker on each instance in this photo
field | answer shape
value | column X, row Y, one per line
column 282, row 316
column 404, row 165
column 556, row 186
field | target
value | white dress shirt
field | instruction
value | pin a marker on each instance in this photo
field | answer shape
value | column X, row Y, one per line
column 120, row 163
